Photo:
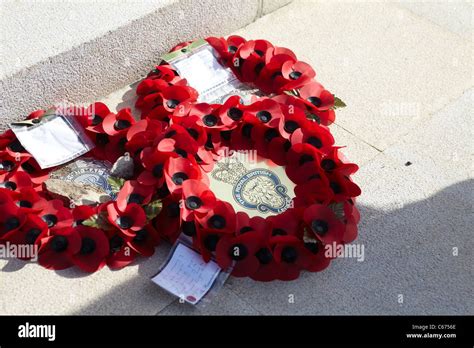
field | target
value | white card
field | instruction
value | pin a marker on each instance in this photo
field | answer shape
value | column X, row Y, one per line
column 187, row 275
column 54, row 141
column 205, row 74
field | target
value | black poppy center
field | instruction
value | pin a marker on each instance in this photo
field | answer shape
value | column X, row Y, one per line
column 315, row 101
column 235, row 113
column 172, row 103
column 141, row 236
column 87, row 246
column 217, row 222
column 179, row 178
column 210, row 120
column 7, row 166
column 232, row 49
column 238, row 252
column 291, row 126
column 316, row 142
column 264, row 116
column 312, row 247
column 271, row 134
column 50, row 220
column 210, row 242
column 320, row 227
column 247, row 130
column 157, row 171
column 122, row 124
column 59, row 243
column 278, row 232
column 115, row 243
column 32, row 235
column 305, row 158
column 125, row 222
column 264, row 256
column 102, row 139
column 11, row 223
column 16, row 146
column 9, row 185
column 193, row 133
column 135, row 198
column 328, row 164
column 181, row 153
column 245, row 229
column 189, row 228
column 96, row 120
column 173, row 210
column 289, row 254
column 193, row 202
column 294, row 75
column 335, row 187
column 25, row 204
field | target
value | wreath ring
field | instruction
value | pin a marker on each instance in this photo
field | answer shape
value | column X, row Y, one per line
column 174, row 147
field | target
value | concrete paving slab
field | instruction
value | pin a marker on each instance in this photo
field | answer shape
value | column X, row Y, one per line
column 390, row 67
column 29, row 289
column 455, row 16
column 224, row 302
column 442, row 147
column 409, row 230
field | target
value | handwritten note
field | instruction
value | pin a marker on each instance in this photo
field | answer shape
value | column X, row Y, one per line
column 186, row 275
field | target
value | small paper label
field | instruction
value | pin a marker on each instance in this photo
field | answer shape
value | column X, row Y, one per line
column 202, row 70
column 187, row 275
column 53, row 141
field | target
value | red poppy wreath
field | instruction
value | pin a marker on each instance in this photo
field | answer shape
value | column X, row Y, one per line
column 174, row 147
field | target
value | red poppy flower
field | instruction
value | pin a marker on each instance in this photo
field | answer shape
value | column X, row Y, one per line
column 7, row 138
column 11, row 219
column 220, row 218
column 191, row 125
column 315, row 96
column 36, row 114
column 296, row 75
column 93, row 250
column 263, row 136
column 315, row 190
column 317, row 136
column 8, row 164
column 55, row 214
column 31, row 232
column 177, row 171
column 334, row 162
column 270, row 78
column 34, row 171
column 178, row 144
column 154, row 163
column 169, row 99
column 168, row 220
column 231, row 111
column 342, row 186
column 323, row 223
column 284, row 224
column 28, row 200
column 13, row 149
column 315, row 257
column 303, row 163
column 121, row 254
column 128, row 221
column 290, row 256
column 164, row 72
column 198, row 199
column 294, row 118
column 96, row 113
column 205, row 240
column 226, row 48
column 144, row 241
column 133, row 192
column 241, row 137
column 81, row 213
column 251, row 59
column 239, row 250
column 119, row 123
column 57, row 249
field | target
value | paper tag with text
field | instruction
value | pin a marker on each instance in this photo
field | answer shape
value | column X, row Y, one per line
column 186, row 275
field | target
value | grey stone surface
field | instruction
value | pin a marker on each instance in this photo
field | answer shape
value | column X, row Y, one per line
column 84, row 61
column 409, row 229
column 28, row 289
column 455, row 16
column 223, row 302
column 392, row 68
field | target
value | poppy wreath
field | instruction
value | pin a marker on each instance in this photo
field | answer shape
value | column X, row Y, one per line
column 173, row 146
